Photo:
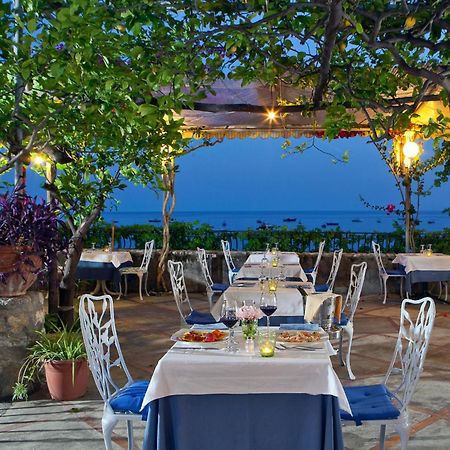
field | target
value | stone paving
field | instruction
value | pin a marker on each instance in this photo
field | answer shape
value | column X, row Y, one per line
column 144, row 329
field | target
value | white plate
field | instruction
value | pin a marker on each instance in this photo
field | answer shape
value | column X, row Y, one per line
column 176, row 337
column 323, row 337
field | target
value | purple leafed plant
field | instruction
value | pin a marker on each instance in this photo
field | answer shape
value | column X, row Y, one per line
column 30, row 224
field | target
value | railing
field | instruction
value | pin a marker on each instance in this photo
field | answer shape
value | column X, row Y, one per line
column 187, row 236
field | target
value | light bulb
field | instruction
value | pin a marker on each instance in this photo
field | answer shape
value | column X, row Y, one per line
column 271, row 115
column 411, row 150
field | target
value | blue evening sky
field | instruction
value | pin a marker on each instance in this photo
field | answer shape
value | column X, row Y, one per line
column 250, row 175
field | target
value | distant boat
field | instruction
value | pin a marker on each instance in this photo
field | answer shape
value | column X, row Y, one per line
column 378, row 221
column 154, row 220
column 224, row 224
column 264, row 226
column 290, row 219
column 332, row 224
column 259, row 221
column 430, row 221
column 356, row 220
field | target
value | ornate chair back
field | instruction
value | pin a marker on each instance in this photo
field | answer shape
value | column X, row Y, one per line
column 201, row 255
column 227, row 255
column 411, row 348
column 148, row 250
column 377, row 252
column 179, row 288
column 337, row 255
column 102, row 344
column 357, row 276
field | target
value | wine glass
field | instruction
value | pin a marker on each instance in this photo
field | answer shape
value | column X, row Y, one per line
column 268, row 304
column 264, row 265
column 229, row 318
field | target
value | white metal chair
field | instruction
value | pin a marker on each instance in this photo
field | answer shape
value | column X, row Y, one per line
column 357, row 276
column 329, row 285
column 376, row 403
column 384, row 274
column 188, row 315
column 211, row 287
column 232, row 269
column 141, row 271
column 312, row 271
column 104, row 353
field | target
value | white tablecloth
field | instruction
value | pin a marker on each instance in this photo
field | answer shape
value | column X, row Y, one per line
column 290, row 266
column 116, row 258
column 414, row 262
column 285, row 257
column 289, row 300
column 200, row 372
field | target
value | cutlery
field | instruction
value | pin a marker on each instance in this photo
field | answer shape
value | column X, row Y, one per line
column 284, row 347
column 196, row 348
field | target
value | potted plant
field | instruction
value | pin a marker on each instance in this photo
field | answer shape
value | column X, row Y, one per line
column 63, row 357
column 30, row 238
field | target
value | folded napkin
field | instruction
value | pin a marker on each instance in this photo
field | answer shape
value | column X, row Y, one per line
column 300, row 326
column 210, row 326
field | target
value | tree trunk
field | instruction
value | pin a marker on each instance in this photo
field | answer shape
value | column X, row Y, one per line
column 67, row 284
column 168, row 206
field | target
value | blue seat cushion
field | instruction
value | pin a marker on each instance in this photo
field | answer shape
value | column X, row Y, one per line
column 398, row 272
column 220, row 287
column 372, row 402
column 321, row 287
column 201, row 318
column 310, row 270
column 235, row 270
column 129, row 399
column 246, row 279
column 344, row 320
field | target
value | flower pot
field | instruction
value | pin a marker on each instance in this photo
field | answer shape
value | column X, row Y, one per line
column 61, row 383
column 18, row 273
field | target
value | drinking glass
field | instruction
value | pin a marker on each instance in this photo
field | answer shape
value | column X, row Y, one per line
column 268, row 304
column 229, row 318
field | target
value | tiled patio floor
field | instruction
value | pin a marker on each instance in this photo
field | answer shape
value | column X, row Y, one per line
column 144, row 329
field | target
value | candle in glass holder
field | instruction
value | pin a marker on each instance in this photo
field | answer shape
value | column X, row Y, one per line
column 273, row 284
column 429, row 252
column 275, row 262
column 266, row 349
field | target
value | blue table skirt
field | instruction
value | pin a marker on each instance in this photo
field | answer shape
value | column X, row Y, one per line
column 424, row 276
column 90, row 270
column 244, row 422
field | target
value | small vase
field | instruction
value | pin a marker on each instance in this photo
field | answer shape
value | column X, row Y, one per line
column 249, row 328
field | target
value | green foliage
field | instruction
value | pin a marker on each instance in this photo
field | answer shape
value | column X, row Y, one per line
column 189, row 236
column 63, row 345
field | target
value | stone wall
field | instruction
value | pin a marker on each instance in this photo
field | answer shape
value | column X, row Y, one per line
column 19, row 318
column 218, row 269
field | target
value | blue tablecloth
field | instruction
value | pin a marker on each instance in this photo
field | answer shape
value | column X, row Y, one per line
column 89, row 270
column 425, row 276
column 244, row 422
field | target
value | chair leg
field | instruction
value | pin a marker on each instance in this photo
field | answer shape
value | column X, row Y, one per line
column 140, row 275
column 130, row 435
column 145, row 284
column 126, row 285
column 108, row 424
column 341, row 360
column 349, row 330
column 120, row 288
column 382, row 436
column 403, row 431
column 385, row 290
column 401, row 287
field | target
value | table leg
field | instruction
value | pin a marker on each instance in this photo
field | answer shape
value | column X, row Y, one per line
column 106, row 290
column 98, row 288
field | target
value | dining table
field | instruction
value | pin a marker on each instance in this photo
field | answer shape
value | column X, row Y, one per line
column 202, row 397
column 102, row 266
column 423, row 267
column 288, row 265
column 290, row 301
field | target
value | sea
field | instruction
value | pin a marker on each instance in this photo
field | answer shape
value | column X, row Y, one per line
column 354, row 221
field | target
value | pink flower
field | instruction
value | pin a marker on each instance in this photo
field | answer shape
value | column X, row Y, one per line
column 390, row 208
column 249, row 312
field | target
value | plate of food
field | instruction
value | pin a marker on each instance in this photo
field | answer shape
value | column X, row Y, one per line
column 199, row 336
column 299, row 337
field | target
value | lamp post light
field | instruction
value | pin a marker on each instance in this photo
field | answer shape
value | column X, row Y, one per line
column 410, row 151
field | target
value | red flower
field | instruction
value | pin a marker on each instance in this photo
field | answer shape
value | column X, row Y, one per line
column 390, row 208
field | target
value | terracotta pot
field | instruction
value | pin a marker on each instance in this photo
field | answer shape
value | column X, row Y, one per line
column 9, row 257
column 60, row 381
column 20, row 275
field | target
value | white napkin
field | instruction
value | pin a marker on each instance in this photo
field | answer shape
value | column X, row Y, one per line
column 313, row 303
